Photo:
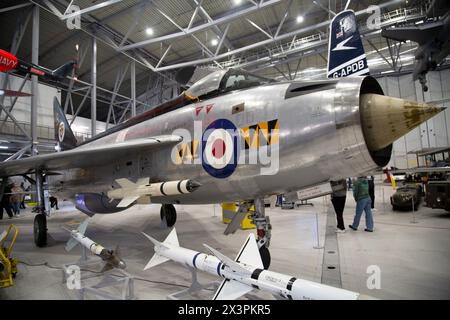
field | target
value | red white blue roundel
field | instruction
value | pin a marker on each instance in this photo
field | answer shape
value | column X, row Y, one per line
column 220, row 148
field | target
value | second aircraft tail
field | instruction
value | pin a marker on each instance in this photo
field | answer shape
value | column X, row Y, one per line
column 346, row 55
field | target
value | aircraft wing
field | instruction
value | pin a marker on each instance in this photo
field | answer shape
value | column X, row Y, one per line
column 85, row 156
column 421, row 33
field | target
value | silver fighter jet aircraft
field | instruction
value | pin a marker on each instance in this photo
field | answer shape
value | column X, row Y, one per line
column 232, row 136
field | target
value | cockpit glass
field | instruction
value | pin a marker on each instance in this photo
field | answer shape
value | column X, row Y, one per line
column 238, row 79
column 223, row 81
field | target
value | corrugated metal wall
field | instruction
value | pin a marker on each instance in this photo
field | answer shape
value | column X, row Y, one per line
column 436, row 131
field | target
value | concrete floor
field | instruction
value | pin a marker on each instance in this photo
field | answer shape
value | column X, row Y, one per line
column 413, row 257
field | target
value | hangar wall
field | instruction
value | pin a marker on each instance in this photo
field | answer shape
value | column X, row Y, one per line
column 433, row 133
column 21, row 111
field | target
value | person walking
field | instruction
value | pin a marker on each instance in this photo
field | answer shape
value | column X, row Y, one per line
column 371, row 182
column 5, row 202
column 53, row 202
column 22, row 202
column 338, row 198
column 16, row 198
column 363, row 203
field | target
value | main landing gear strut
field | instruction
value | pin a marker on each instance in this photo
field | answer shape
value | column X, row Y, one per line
column 263, row 231
column 40, row 220
column 263, row 226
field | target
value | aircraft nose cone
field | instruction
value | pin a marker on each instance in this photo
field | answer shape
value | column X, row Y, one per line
column 386, row 119
column 122, row 265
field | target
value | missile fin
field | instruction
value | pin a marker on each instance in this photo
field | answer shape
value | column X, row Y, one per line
column 125, row 202
column 125, row 183
column 83, row 226
column 142, row 181
column 172, row 238
column 71, row 244
column 107, row 267
column 156, row 260
column 249, row 253
column 155, row 242
column 228, row 261
column 231, row 290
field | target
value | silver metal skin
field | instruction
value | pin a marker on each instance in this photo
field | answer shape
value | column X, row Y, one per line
column 320, row 139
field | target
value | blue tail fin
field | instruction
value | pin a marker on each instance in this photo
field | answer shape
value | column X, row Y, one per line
column 346, row 55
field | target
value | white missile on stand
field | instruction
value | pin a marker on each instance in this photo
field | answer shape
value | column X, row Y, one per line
column 111, row 257
column 245, row 273
column 131, row 191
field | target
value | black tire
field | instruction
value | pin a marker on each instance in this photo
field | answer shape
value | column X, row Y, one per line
column 169, row 212
column 265, row 256
column 394, row 208
column 40, row 230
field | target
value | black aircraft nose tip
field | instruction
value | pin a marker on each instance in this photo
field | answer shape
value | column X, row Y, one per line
column 192, row 185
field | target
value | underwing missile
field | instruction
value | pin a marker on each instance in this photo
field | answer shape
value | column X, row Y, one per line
column 112, row 258
column 245, row 273
column 131, row 191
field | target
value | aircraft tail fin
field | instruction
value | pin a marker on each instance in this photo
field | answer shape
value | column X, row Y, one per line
column 346, row 55
column 64, row 70
column 63, row 133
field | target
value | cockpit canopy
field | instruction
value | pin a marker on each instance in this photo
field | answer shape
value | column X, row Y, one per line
column 223, row 81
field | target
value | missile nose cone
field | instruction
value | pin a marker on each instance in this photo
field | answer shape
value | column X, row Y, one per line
column 386, row 119
column 192, row 185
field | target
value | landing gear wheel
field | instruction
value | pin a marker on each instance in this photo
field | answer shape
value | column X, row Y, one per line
column 40, row 230
column 169, row 212
column 265, row 256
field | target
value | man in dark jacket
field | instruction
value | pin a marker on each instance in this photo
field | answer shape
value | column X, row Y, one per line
column 363, row 203
column 5, row 202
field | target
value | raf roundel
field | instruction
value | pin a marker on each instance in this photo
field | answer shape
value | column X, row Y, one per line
column 220, row 148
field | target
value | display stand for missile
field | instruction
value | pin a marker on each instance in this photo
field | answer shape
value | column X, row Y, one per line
column 195, row 288
column 113, row 278
column 112, row 274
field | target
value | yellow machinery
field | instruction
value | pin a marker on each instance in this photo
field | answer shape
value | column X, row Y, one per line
column 230, row 209
column 8, row 265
